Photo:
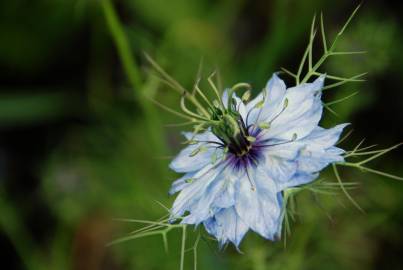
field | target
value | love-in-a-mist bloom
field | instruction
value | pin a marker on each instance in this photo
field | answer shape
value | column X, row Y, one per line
column 236, row 171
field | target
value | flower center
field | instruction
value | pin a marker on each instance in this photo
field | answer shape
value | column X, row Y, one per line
column 240, row 145
column 238, row 139
column 245, row 155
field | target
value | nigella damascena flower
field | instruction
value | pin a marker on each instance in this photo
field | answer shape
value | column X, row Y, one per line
column 236, row 171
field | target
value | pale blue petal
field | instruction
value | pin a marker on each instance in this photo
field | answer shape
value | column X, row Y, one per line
column 287, row 151
column 185, row 162
column 181, row 183
column 212, row 227
column 224, row 97
column 195, row 190
column 219, row 194
column 201, row 208
column 275, row 88
column 226, row 197
column 319, row 151
column 324, row 138
column 240, row 106
column 316, row 161
column 335, row 151
column 277, row 234
column 298, row 179
column 226, row 226
column 300, row 120
column 302, row 114
column 258, row 207
column 273, row 96
column 280, row 170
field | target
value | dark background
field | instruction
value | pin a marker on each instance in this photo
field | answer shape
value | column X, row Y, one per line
column 80, row 143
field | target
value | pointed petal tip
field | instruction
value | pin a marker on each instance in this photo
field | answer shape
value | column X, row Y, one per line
column 342, row 126
column 320, row 81
column 275, row 79
column 238, row 249
column 174, row 166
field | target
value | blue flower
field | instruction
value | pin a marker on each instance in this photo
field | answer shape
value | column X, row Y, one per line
column 236, row 171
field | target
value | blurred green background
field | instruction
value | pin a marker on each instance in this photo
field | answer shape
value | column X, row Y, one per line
column 80, row 143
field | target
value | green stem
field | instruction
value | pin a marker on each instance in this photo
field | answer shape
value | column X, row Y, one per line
column 336, row 173
column 316, row 66
column 132, row 72
column 122, row 45
column 366, row 169
column 183, row 248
